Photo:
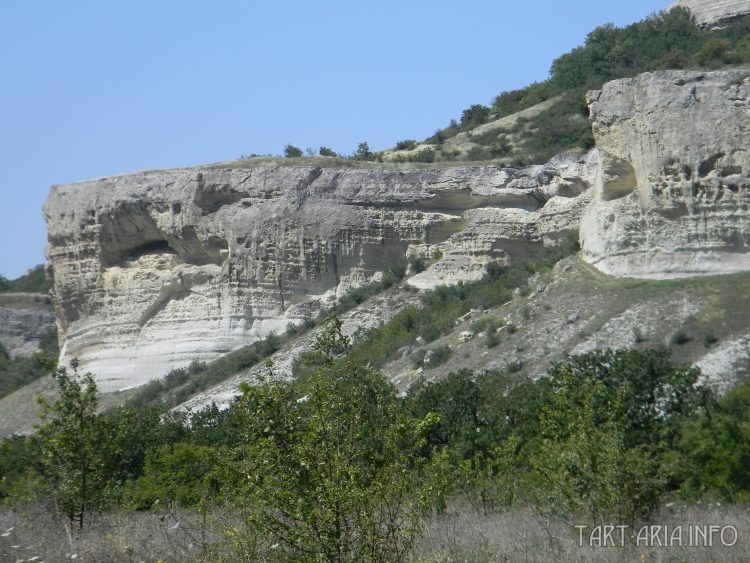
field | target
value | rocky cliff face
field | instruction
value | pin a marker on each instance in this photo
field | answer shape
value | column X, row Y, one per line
column 25, row 318
column 156, row 269
column 712, row 12
column 672, row 193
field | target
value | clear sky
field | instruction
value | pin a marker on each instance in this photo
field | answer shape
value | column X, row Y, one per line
column 91, row 89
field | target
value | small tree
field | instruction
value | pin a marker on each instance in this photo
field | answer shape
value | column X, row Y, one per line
column 363, row 151
column 333, row 475
column 290, row 151
column 325, row 151
column 608, row 428
column 69, row 439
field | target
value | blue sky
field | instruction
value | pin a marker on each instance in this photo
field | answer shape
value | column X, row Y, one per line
column 90, row 89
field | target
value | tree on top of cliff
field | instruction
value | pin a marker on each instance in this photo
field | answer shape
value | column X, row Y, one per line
column 290, row 151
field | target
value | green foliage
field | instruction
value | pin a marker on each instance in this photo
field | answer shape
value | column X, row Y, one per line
column 667, row 40
column 431, row 358
column 715, row 449
column 325, row 151
column 180, row 384
column 425, row 155
column 714, row 51
column 406, row 145
column 290, row 151
column 180, row 473
column 33, row 281
column 70, row 443
column 126, row 436
column 333, row 475
column 611, row 418
column 473, row 116
column 562, row 126
column 710, row 339
column 363, row 151
column 442, row 306
column 417, row 264
column 21, row 471
column 680, row 337
column 516, row 100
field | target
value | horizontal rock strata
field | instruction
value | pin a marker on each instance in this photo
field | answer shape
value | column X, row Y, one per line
column 154, row 270
column 25, row 318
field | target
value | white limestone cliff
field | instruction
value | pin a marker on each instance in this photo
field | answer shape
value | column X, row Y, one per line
column 672, row 193
column 712, row 12
column 154, row 270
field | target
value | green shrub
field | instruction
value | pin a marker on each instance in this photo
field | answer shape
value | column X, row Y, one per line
column 33, row 281
column 363, row 152
column 325, row 151
column 710, row 339
column 178, row 473
column 406, row 145
column 680, row 337
column 290, row 151
column 492, row 339
column 714, row 52
column 334, row 477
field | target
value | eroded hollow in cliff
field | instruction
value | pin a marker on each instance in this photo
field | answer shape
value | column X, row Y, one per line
column 122, row 256
column 463, row 200
column 618, row 178
column 212, row 197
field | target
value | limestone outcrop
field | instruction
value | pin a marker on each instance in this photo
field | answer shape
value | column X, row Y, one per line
column 153, row 270
column 712, row 12
column 672, row 193
column 25, row 319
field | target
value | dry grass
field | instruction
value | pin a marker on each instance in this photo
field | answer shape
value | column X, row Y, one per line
column 524, row 534
column 167, row 535
column 461, row 534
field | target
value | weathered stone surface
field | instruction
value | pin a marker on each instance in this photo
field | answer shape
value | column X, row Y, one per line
column 154, row 270
column 710, row 12
column 672, row 194
column 25, row 318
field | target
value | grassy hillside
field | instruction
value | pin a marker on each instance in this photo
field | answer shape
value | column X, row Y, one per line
column 663, row 41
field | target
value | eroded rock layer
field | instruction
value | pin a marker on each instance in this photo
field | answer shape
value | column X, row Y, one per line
column 711, row 12
column 154, row 270
column 672, row 193
column 25, row 319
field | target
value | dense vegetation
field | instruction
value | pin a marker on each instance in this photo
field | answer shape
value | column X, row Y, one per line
column 333, row 465
column 34, row 281
column 668, row 40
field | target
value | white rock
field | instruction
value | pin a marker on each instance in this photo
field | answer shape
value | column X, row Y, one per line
column 672, row 191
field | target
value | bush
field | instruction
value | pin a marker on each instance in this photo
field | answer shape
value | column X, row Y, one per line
column 336, row 476
column 363, row 152
column 325, row 151
column 474, row 116
column 406, row 145
column 680, row 337
column 33, row 281
column 613, row 418
column 290, row 151
column 431, row 358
